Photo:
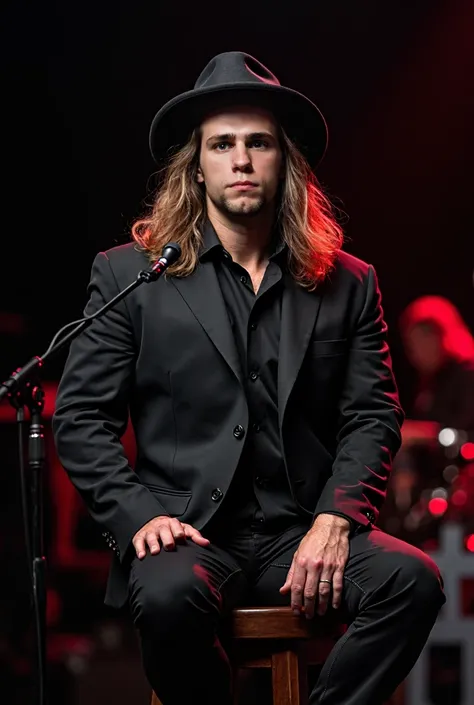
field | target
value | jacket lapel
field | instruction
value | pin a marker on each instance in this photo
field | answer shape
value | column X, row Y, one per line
column 300, row 309
column 202, row 294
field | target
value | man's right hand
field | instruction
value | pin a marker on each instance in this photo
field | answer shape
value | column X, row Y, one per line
column 168, row 531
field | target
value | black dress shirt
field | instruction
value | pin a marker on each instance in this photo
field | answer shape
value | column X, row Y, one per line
column 260, row 496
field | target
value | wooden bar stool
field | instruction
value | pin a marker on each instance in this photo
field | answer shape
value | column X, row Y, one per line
column 273, row 637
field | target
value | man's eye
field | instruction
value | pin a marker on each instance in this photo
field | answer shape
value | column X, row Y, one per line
column 220, row 146
column 258, row 144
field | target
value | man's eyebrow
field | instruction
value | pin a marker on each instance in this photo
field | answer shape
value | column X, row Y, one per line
column 261, row 135
column 250, row 136
column 221, row 138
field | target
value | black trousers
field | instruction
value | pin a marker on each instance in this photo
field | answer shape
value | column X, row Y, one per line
column 391, row 598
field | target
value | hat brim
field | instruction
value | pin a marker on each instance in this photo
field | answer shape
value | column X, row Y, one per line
column 301, row 119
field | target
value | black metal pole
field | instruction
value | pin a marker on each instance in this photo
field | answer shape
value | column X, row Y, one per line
column 36, row 463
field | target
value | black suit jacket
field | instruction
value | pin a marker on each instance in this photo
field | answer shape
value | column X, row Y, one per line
column 166, row 355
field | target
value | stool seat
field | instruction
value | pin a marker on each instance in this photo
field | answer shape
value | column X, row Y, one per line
column 272, row 623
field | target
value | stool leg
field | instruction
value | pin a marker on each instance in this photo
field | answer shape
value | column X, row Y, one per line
column 289, row 679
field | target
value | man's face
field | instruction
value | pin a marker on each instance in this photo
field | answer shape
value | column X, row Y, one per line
column 240, row 160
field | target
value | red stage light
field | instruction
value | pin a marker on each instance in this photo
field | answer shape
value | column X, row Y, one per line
column 437, row 506
column 459, row 498
column 467, row 451
column 470, row 543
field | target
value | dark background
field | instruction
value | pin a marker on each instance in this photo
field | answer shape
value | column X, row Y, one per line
column 83, row 80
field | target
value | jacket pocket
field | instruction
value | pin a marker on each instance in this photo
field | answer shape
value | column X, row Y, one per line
column 328, row 348
column 174, row 501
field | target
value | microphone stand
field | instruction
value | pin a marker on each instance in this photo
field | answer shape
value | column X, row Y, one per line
column 23, row 389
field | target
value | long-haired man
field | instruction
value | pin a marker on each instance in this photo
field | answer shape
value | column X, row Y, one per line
column 258, row 380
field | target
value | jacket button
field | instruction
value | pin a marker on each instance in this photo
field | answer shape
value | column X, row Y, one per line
column 217, row 495
column 239, row 431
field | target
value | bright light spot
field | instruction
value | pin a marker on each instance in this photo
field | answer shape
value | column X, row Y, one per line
column 447, row 437
column 437, row 506
column 467, row 451
column 470, row 543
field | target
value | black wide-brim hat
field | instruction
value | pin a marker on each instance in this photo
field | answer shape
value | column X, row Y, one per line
column 237, row 78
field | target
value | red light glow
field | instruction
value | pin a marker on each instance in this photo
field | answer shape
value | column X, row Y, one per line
column 470, row 543
column 467, row 451
column 459, row 498
column 437, row 506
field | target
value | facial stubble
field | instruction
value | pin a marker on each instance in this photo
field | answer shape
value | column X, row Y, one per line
column 240, row 207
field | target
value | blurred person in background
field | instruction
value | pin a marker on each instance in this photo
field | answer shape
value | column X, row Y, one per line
column 440, row 349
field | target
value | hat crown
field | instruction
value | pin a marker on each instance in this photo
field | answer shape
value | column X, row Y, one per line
column 235, row 67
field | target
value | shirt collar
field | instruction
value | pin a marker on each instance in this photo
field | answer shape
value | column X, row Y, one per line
column 212, row 247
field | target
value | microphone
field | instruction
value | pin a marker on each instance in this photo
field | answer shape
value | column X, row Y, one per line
column 171, row 252
column 169, row 255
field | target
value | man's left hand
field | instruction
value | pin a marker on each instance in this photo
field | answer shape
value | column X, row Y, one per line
column 321, row 555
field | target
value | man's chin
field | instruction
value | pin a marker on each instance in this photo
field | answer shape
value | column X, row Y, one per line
column 247, row 208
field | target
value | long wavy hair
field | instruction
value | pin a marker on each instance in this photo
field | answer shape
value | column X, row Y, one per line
column 305, row 216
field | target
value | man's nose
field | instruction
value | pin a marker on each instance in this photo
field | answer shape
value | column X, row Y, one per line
column 242, row 160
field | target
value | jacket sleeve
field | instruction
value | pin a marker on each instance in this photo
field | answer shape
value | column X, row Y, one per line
column 369, row 423
column 91, row 415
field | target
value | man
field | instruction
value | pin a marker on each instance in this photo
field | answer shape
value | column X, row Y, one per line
column 259, row 384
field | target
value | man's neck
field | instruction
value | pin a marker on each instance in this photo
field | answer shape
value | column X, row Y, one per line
column 247, row 242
